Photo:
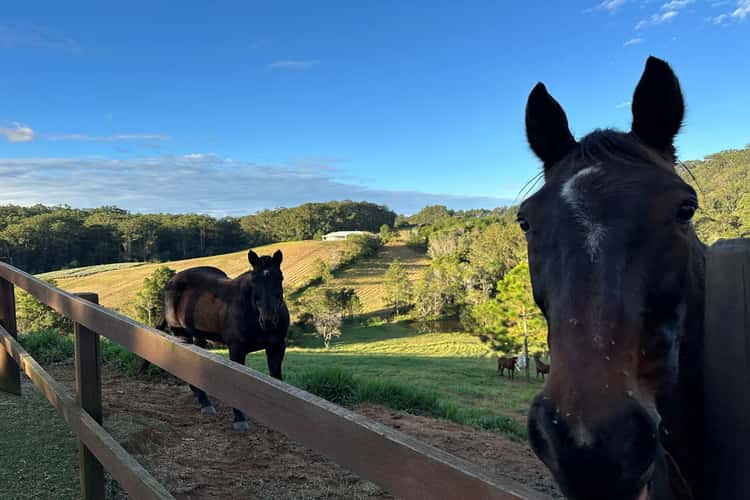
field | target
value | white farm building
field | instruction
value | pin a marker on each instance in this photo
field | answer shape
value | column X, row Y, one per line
column 344, row 235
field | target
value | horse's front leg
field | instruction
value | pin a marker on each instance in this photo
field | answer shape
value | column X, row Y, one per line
column 274, row 357
column 191, row 338
column 238, row 353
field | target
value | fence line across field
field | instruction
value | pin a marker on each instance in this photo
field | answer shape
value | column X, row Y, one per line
column 399, row 463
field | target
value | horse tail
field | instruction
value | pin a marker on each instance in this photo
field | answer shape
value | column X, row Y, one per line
column 161, row 324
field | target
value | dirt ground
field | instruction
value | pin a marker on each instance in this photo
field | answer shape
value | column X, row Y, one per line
column 200, row 456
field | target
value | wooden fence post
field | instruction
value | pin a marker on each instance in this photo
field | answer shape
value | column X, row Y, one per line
column 727, row 370
column 88, row 368
column 10, row 375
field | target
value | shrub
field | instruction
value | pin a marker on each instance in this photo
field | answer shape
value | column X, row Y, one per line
column 47, row 346
column 35, row 316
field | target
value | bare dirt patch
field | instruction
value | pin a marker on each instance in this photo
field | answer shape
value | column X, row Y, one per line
column 200, row 456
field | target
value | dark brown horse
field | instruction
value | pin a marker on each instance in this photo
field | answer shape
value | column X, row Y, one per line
column 542, row 368
column 618, row 272
column 246, row 313
column 507, row 363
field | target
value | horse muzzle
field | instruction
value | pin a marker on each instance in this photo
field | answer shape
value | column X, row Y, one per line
column 611, row 458
column 268, row 321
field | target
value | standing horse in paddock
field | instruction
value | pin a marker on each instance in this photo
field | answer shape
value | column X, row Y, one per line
column 509, row 364
column 618, row 272
column 246, row 313
column 542, row 368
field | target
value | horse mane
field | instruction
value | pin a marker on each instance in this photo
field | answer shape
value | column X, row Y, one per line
column 612, row 146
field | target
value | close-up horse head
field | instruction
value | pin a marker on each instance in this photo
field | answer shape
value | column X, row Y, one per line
column 267, row 291
column 617, row 271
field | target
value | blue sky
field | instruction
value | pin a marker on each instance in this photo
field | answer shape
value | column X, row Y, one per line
column 231, row 107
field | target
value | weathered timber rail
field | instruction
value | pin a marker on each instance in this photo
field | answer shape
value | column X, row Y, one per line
column 726, row 371
column 397, row 462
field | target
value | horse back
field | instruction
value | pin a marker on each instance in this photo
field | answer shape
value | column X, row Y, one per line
column 198, row 299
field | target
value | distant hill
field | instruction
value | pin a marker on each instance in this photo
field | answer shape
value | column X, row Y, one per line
column 117, row 288
column 367, row 277
column 117, row 284
column 722, row 181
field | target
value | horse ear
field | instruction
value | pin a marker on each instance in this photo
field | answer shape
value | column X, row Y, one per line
column 547, row 127
column 658, row 107
column 277, row 257
column 253, row 258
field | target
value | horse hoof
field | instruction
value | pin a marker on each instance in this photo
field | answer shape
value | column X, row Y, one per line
column 208, row 410
column 241, row 425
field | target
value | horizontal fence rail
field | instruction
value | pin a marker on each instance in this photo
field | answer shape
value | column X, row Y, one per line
column 397, row 462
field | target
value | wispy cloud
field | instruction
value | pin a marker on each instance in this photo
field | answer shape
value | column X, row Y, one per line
column 17, row 133
column 109, row 138
column 677, row 4
column 294, row 64
column 610, row 5
column 657, row 19
column 207, row 183
column 14, row 36
column 633, row 41
column 741, row 12
column 623, row 104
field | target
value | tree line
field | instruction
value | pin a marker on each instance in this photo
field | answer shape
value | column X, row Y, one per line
column 41, row 238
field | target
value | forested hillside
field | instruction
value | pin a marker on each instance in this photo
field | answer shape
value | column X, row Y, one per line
column 40, row 238
column 723, row 184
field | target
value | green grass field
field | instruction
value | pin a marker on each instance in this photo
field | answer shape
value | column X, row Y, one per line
column 455, row 366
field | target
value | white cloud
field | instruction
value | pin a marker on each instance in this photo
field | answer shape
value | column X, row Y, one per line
column 633, row 41
column 676, row 4
column 14, row 36
column 741, row 12
column 611, row 5
column 17, row 133
column 108, row 138
column 197, row 182
column 623, row 104
column 293, row 64
column 657, row 19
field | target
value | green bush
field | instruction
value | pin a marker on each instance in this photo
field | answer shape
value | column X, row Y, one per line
column 47, row 346
column 333, row 384
column 125, row 360
column 342, row 387
column 35, row 316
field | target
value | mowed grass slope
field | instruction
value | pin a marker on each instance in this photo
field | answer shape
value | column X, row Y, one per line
column 367, row 277
column 117, row 288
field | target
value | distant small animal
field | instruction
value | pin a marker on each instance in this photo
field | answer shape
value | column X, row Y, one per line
column 506, row 363
column 542, row 368
column 247, row 313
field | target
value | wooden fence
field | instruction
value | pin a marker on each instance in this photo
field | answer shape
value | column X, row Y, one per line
column 397, row 462
column 727, row 371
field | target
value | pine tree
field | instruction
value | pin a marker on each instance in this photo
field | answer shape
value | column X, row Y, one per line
column 501, row 320
column 398, row 289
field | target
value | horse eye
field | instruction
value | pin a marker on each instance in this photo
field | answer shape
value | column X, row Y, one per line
column 686, row 211
column 523, row 224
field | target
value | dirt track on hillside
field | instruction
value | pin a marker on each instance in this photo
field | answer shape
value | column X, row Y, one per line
column 201, row 457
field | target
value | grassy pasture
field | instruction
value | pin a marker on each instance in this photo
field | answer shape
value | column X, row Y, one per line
column 118, row 286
